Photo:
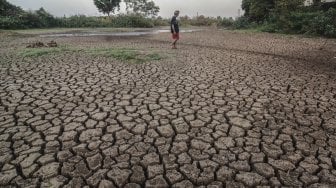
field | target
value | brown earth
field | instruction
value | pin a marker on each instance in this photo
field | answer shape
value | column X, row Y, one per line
column 227, row 109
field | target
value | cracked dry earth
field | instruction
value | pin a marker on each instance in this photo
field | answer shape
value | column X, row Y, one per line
column 226, row 110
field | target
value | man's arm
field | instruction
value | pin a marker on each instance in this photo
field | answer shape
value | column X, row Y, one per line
column 173, row 22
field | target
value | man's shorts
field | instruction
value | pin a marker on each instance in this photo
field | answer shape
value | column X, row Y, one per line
column 176, row 36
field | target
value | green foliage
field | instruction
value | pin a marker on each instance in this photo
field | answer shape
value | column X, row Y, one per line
column 126, row 54
column 206, row 21
column 120, row 54
column 131, row 20
column 241, row 23
column 260, row 10
column 8, row 10
column 121, row 20
column 226, row 22
column 257, row 10
column 10, row 23
column 12, row 17
column 144, row 7
column 289, row 16
column 37, row 52
column 203, row 21
column 269, row 27
column 325, row 24
column 159, row 21
column 107, row 6
column 43, row 19
column 46, row 19
column 286, row 6
column 79, row 21
column 304, row 22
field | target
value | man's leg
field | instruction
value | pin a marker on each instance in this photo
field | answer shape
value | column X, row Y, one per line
column 177, row 37
column 174, row 43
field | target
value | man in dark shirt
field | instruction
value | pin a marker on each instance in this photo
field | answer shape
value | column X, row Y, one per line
column 174, row 27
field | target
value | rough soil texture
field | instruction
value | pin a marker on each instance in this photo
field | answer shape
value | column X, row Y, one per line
column 225, row 110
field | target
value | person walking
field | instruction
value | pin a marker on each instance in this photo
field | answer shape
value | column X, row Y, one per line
column 175, row 30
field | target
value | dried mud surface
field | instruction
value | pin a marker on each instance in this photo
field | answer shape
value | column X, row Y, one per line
column 225, row 110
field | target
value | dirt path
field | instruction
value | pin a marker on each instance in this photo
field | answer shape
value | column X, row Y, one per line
column 226, row 110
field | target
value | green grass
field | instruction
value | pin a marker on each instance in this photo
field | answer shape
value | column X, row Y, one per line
column 123, row 54
column 126, row 54
column 7, row 33
column 154, row 56
column 37, row 52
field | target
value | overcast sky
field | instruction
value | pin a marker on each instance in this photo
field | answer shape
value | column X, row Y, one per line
column 227, row 8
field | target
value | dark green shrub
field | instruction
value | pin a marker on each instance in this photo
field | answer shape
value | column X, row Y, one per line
column 131, row 20
column 226, row 22
column 241, row 23
column 305, row 21
column 10, row 23
column 32, row 20
column 269, row 27
column 325, row 23
column 159, row 21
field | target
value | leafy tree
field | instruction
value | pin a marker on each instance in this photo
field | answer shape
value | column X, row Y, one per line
column 316, row 2
column 246, row 5
column 107, row 6
column 260, row 10
column 285, row 6
column 257, row 10
column 144, row 7
column 45, row 18
column 7, row 9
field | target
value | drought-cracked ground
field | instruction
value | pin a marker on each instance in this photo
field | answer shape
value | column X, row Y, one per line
column 225, row 110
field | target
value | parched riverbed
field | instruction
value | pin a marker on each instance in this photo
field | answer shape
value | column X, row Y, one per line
column 227, row 109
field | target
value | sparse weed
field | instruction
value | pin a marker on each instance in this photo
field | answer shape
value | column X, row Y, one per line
column 36, row 52
column 123, row 54
column 126, row 54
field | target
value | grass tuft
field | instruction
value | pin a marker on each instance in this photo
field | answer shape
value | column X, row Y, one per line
column 37, row 52
column 126, row 54
column 123, row 54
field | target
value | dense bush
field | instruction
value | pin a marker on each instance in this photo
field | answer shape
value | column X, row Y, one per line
column 131, row 20
column 325, row 24
column 303, row 22
column 34, row 20
column 82, row 21
column 27, row 19
column 159, row 21
column 123, row 20
column 290, row 16
column 206, row 21
column 241, row 23
column 10, row 23
column 226, row 22
column 203, row 21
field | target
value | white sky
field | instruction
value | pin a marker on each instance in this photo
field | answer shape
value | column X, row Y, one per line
column 226, row 8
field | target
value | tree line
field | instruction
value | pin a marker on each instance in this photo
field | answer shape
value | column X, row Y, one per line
column 279, row 16
column 141, row 7
column 140, row 13
column 290, row 16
